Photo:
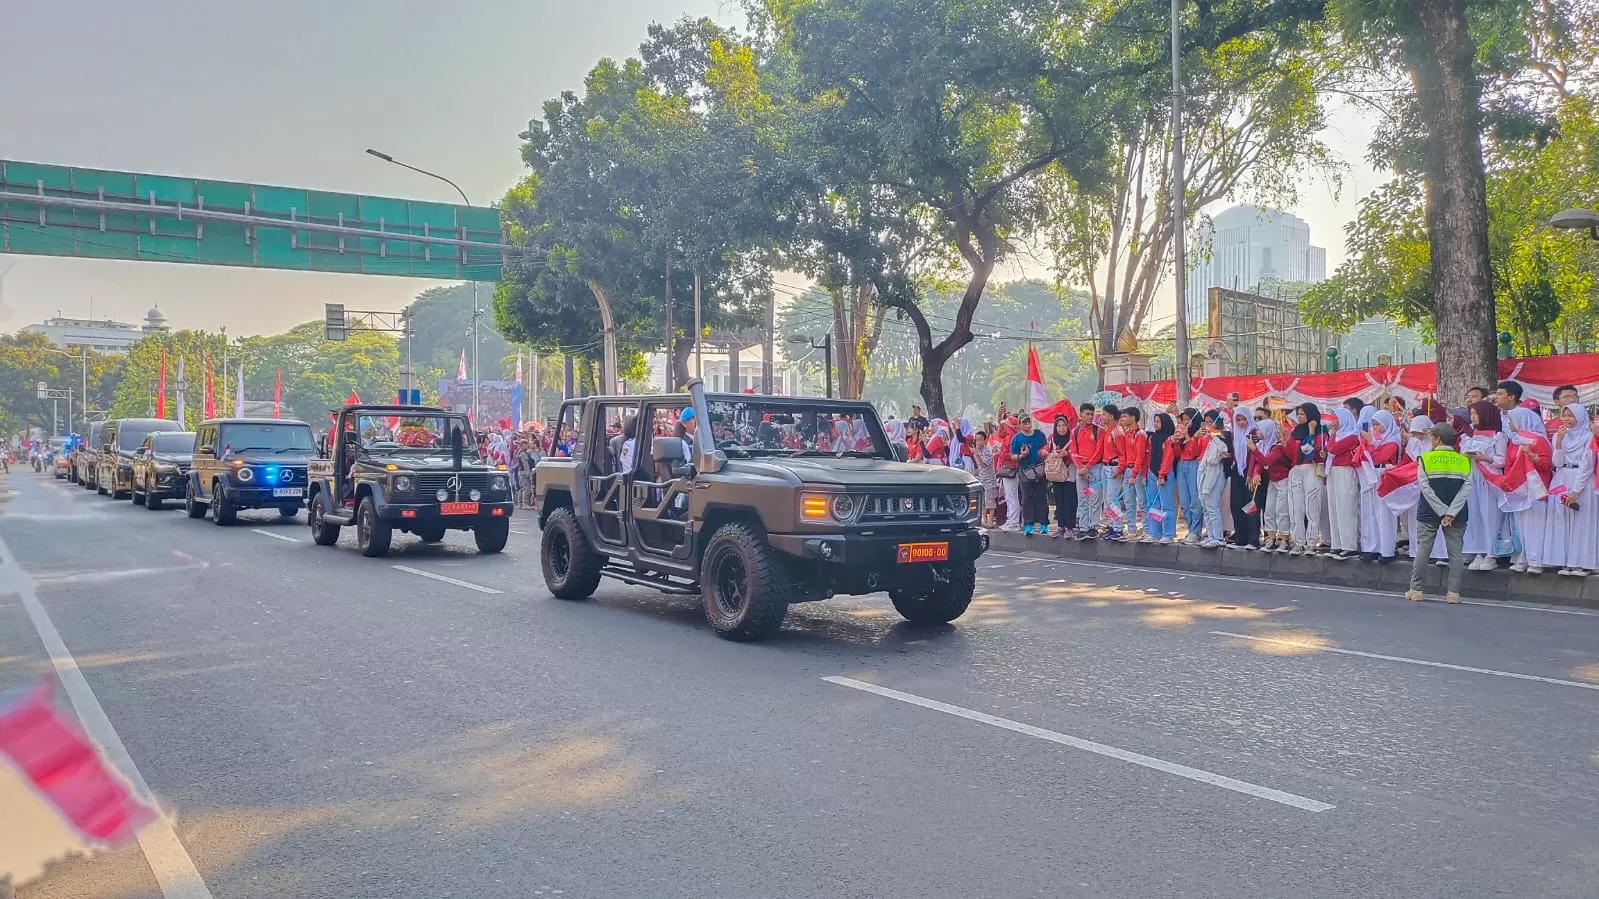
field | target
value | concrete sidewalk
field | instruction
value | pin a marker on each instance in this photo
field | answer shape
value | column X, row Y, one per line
column 1391, row 578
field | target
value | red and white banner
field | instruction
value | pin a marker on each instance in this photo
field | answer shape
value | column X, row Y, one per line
column 1538, row 376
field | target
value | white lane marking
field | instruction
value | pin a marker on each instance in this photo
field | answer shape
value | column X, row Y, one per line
column 515, row 531
column 1523, row 607
column 1123, row 755
column 1375, row 655
column 448, row 580
column 169, row 861
column 266, row 533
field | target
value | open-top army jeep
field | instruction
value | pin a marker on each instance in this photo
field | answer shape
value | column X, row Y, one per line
column 754, row 503
column 409, row 468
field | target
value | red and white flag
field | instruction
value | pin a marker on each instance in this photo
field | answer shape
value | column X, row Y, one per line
column 277, row 393
column 161, row 388
column 460, row 368
column 1397, row 488
column 1036, row 397
column 58, row 795
column 1520, row 485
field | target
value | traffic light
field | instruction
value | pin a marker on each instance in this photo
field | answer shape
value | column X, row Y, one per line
column 333, row 321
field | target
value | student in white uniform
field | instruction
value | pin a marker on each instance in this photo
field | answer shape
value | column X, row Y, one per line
column 1524, row 428
column 1571, row 531
column 1485, row 446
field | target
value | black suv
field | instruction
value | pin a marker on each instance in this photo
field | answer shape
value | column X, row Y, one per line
column 160, row 467
column 777, row 500
column 248, row 463
column 406, row 468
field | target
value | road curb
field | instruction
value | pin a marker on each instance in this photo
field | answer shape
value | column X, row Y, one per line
column 1502, row 585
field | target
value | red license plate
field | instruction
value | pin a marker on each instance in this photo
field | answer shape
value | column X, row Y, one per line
column 457, row 508
column 910, row 553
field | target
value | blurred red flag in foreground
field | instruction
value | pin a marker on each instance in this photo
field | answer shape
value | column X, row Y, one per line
column 57, row 795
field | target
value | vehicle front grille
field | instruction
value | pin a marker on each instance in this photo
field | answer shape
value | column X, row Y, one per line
column 433, row 481
column 902, row 507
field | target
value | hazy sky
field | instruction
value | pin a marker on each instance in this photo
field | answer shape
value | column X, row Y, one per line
column 292, row 93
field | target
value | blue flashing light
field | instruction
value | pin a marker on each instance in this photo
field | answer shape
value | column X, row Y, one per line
column 272, row 474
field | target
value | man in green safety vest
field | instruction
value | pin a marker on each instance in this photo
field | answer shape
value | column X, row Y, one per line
column 1444, row 476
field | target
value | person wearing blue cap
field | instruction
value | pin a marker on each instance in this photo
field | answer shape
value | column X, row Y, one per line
column 686, row 425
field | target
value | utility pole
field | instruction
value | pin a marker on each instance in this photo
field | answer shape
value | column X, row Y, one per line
column 699, row 362
column 768, row 348
column 1180, row 255
column 670, row 357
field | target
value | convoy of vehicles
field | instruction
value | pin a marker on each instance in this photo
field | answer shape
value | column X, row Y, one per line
column 247, row 463
column 752, row 503
column 412, row 469
column 160, row 468
column 120, row 438
column 778, row 500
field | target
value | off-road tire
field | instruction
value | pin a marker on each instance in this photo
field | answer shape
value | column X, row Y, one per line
column 99, row 488
column 743, row 586
column 322, row 533
column 943, row 601
column 430, row 533
column 372, row 534
column 288, row 511
column 570, row 563
column 151, row 501
column 490, row 536
column 222, row 512
column 133, row 494
column 191, row 506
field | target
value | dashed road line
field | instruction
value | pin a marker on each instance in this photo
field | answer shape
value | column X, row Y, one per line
column 1122, row 755
column 266, row 533
column 1386, row 658
column 448, row 580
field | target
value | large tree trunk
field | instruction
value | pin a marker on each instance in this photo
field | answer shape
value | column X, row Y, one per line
column 857, row 323
column 934, row 356
column 682, row 349
column 1441, row 55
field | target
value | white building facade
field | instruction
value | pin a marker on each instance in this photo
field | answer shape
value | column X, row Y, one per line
column 102, row 335
column 1249, row 245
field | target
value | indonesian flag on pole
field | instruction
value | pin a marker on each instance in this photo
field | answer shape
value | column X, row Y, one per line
column 277, row 394
column 238, row 394
column 60, row 797
column 1397, row 488
column 181, row 411
column 460, row 368
column 161, row 388
column 1521, row 485
column 1036, row 398
column 210, row 391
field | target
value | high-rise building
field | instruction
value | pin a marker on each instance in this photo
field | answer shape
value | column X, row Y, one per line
column 1249, row 246
column 102, row 335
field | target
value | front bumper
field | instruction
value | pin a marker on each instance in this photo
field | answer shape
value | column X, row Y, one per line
column 876, row 550
column 262, row 497
column 171, row 486
column 413, row 514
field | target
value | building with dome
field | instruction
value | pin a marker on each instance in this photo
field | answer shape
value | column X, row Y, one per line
column 101, row 335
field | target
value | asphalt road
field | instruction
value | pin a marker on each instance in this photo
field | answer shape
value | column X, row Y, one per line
column 433, row 724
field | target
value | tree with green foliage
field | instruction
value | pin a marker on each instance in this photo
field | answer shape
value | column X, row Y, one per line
column 28, row 357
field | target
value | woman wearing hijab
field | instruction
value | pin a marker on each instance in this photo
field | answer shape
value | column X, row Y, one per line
column 1189, row 448
column 1343, row 486
column 1378, row 525
column 1420, row 442
column 938, row 446
column 963, row 454
column 1485, row 448
column 1064, row 490
column 1572, row 527
column 1005, row 468
column 1525, row 438
column 895, row 429
column 1241, row 497
column 1272, row 462
column 1213, row 479
column 1161, row 485
column 1308, row 448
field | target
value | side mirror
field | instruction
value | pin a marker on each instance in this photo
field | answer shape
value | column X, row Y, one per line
column 901, row 454
column 671, row 450
column 682, row 470
column 206, row 449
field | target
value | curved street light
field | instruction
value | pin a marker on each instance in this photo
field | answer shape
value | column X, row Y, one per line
column 1578, row 220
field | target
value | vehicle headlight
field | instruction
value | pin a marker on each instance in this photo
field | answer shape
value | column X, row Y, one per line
column 403, row 483
column 476, row 494
column 843, row 507
column 442, row 495
column 245, row 475
column 959, row 504
column 499, row 483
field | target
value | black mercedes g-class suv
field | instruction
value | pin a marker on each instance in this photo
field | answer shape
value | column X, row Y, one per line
column 248, row 463
column 414, row 469
column 777, row 500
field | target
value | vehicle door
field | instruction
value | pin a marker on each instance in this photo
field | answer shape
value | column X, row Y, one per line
column 141, row 460
column 658, row 500
column 204, row 465
column 105, row 459
column 346, row 445
column 606, row 473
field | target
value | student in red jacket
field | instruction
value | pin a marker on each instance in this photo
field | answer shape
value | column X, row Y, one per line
column 1161, row 484
column 1270, row 460
column 1112, row 448
column 1343, row 486
column 1086, row 450
column 1135, row 467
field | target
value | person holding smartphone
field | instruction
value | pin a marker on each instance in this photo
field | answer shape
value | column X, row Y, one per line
column 1571, row 526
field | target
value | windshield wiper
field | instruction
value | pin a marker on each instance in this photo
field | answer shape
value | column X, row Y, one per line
column 841, row 454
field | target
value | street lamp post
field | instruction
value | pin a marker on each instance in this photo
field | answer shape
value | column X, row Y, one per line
column 826, row 346
column 43, row 392
column 83, row 356
column 476, row 312
column 1577, row 219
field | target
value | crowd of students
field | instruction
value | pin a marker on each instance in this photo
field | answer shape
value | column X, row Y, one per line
column 1305, row 481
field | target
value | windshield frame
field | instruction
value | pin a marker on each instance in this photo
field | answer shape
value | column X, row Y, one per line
column 391, row 444
column 803, row 414
column 135, row 430
column 183, row 438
